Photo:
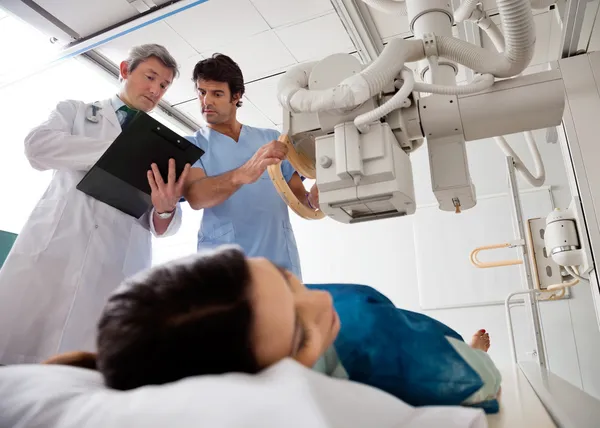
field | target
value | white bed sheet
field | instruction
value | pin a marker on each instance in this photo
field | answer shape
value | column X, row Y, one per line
column 287, row 395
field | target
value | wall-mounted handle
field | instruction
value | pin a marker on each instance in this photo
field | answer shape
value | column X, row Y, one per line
column 484, row 265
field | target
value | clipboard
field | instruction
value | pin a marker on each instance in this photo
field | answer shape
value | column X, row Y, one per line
column 120, row 179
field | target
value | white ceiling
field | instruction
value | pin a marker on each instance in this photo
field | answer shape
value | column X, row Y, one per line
column 87, row 17
column 264, row 40
column 265, row 37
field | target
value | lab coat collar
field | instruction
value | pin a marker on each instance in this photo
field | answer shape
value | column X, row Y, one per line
column 109, row 113
column 116, row 103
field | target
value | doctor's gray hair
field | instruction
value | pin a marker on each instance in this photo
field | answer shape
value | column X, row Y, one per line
column 141, row 53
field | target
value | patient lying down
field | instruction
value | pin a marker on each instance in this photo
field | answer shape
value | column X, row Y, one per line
column 221, row 312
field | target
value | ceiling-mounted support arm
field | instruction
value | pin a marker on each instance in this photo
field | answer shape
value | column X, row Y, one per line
column 358, row 22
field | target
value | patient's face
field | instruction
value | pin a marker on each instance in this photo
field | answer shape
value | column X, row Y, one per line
column 289, row 319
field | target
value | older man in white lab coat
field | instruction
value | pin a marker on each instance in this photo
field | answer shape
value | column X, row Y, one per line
column 75, row 250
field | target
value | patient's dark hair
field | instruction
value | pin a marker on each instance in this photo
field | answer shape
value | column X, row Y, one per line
column 185, row 318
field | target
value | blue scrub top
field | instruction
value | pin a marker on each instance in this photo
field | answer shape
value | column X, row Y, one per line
column 255, row 217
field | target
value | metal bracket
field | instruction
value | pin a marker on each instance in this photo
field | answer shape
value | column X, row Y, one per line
column 572, row 17
column 516, row 243
column 430, row 45
column 531, row 301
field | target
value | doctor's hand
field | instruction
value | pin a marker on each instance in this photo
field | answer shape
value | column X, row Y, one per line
column 270, row 154
column 166, row 195
column 313, row 197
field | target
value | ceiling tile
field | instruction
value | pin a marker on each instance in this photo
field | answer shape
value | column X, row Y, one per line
column 263, row 94
column 291, row 11
column 248, row 114
column 259, row 55
column 88, row 16
column 183, row 87
column 159, row 32
column 218, row 23
column 192, row 109
column 316, row 38
column 389, row 25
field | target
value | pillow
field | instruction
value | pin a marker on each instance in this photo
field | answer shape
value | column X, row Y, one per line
column 404, row 353
column 286, row 395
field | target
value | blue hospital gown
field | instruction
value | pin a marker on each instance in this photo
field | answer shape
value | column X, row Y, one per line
column 255, row 217
column 409, row 355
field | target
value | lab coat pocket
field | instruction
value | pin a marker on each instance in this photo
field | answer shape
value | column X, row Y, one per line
column 40, row 228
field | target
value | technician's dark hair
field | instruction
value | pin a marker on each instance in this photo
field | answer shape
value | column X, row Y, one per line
column 221, row 68
column 185, row 318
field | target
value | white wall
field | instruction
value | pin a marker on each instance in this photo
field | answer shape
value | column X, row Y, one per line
column 382, row 254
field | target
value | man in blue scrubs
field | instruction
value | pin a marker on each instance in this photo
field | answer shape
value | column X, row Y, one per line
column 230, row 181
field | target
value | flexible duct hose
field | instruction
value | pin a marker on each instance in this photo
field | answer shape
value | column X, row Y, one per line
column 397, row 101
column 493, row 32
column 540, row 174
column 479, row 83
column 519, row 36
column 537, row 179
column 464, row 11
column 294, row 96
column 293, row 80
column 355, row 90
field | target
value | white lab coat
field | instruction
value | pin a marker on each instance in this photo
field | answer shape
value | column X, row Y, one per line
column 74, row 250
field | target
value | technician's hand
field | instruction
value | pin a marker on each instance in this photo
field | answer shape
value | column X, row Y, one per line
column 313, row 196
column 166, row 195
column 270, row 154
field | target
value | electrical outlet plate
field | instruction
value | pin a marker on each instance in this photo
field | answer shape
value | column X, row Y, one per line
column 545, row 271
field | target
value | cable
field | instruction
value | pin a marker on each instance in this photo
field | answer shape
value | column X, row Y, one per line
column 574, row 272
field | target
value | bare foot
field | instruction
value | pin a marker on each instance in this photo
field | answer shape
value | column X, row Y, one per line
column 481, row 340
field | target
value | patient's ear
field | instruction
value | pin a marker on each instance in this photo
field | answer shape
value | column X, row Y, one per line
column 86, row 360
